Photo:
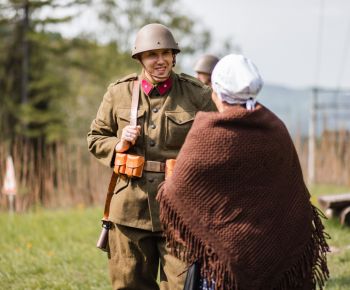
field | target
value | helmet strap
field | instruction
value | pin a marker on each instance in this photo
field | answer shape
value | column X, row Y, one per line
column 150, row 75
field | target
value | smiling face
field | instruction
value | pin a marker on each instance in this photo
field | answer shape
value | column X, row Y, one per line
column 157, row 64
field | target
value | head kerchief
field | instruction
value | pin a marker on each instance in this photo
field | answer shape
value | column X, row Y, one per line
column 236, row 80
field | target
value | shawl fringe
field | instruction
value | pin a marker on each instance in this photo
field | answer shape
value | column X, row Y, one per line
column 189, row 248
column 313, row 259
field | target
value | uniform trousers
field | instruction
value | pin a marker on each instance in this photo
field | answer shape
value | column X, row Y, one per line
column 135, row 256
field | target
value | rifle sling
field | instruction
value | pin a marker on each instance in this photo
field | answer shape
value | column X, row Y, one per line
column 133, row 122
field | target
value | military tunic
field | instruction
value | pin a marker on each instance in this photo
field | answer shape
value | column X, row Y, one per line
column 165, row 121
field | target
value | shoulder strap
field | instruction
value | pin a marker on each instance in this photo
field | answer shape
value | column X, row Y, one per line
column 134, row 103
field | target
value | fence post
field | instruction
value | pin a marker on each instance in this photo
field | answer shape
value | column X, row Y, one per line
column 10, row 187
column 312, row 139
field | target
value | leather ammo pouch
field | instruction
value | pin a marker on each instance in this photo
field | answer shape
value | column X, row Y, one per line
column 120, row 163
column 128, row 164
column 169, row 167
column 134, row 165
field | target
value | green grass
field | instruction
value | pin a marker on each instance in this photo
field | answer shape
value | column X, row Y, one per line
column 339, row 258
column 56, row 249
column 52, row 250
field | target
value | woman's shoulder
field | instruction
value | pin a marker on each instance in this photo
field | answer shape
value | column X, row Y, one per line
column 205, row 123
column 206, row 118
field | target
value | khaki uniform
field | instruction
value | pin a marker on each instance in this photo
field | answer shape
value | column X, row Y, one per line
column 165, row 121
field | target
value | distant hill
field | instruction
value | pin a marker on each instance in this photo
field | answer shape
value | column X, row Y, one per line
column 291, row 105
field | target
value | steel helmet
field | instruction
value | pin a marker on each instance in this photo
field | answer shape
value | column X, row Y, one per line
column 206, row 64
column 154, row 36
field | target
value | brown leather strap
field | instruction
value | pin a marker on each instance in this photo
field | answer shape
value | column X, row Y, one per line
column 154, row 166
column 134, row 103
column 109, row 195
column 133, row 122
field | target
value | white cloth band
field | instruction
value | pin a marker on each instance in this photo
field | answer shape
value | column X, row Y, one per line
column 236, row 80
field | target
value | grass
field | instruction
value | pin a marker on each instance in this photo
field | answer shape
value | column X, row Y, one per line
column 52, row 250
column 339, row 258
column 56, row 250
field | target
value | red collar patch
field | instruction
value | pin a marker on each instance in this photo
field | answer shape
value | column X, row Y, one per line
column 162, row 87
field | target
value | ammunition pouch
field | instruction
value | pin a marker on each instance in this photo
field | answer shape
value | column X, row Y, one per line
column 169, row 167
column 128, row 164
column 120, row 163
column 133, row 165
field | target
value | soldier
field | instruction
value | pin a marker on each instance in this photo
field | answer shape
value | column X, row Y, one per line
column 167, row 106
column 204, row 67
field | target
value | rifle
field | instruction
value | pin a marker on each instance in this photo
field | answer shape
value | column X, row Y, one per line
column 102, row 242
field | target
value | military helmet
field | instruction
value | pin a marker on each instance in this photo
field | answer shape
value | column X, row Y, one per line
column 206, row 64
column 154, row 36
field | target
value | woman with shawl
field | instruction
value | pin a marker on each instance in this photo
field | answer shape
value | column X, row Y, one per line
column 236, row 202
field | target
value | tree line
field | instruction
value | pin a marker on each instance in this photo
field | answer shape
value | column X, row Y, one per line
column 51, row 84
column 48, row 82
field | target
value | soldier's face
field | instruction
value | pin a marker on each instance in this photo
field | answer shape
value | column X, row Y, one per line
column 157, row 63
column 204, row 78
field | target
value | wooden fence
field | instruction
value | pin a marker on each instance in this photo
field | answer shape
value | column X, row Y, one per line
column 63, row 175
column 68, row 175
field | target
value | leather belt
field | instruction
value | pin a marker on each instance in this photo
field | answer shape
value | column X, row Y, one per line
column 154, row 166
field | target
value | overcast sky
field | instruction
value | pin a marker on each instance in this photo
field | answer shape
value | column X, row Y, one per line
column 295, row 43
column 283, row 37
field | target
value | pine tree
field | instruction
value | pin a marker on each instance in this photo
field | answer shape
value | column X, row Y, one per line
column 34, row 82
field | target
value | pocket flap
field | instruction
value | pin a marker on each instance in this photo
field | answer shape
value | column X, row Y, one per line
column 181, row 117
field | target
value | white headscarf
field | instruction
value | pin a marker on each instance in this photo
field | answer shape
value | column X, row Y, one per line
column 236, row 80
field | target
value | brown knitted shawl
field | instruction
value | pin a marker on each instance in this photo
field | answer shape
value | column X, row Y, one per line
column 238, row 204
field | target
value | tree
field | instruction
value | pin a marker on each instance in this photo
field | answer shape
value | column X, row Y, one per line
column 123, row 18
column 51, row 85
column 40, row 69
column 33, row 82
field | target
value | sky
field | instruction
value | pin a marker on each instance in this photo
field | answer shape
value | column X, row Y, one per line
column 295, row 43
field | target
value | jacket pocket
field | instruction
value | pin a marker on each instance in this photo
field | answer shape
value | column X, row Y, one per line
column 123, row 119
column 177, row 125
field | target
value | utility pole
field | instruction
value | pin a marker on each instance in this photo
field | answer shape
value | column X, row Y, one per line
column 312, row 138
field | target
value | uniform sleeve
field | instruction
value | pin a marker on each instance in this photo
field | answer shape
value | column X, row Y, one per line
column 102, row 137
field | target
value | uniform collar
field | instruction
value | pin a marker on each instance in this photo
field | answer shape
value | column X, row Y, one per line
column 162, row 88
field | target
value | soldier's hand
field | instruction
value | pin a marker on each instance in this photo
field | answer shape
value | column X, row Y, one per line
column 129, row 137
column 130, row 133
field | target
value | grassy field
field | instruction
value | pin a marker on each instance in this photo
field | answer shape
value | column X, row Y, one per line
column 52, row 250
column 56, row 250
column 339, row 258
